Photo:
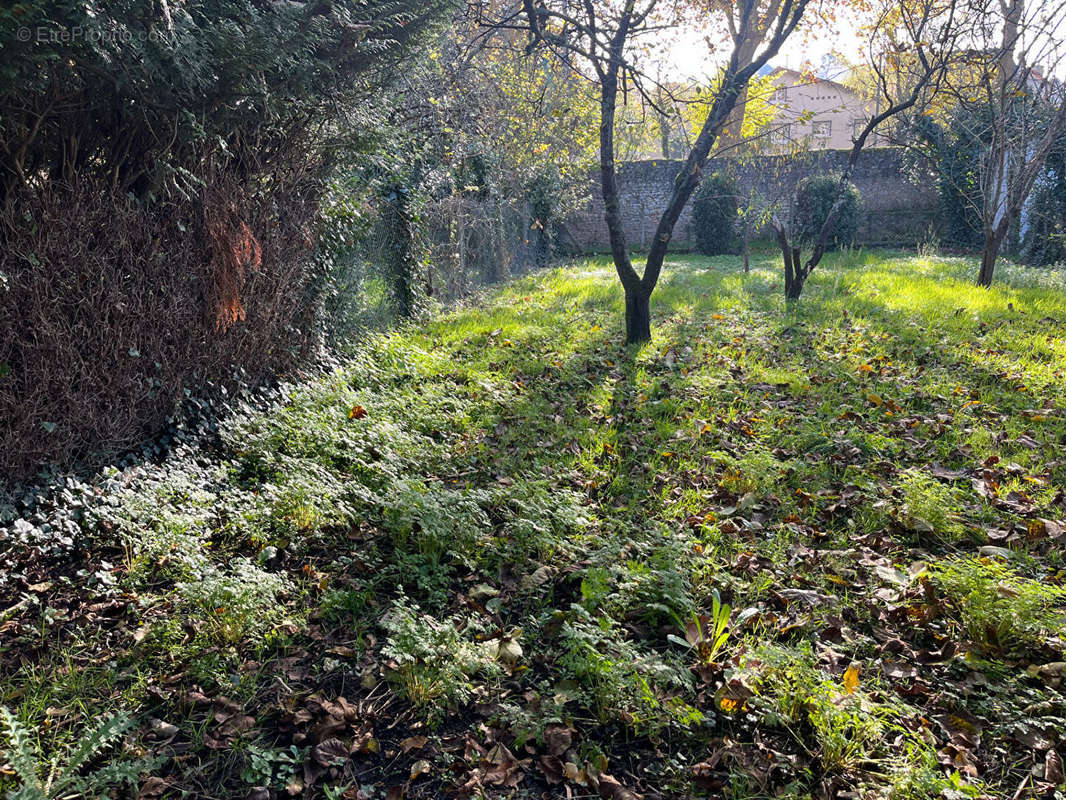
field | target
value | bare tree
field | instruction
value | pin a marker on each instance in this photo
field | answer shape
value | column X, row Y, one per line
column 746, row 46
column 912, row 45
column 601, row 39
column 1009, row 108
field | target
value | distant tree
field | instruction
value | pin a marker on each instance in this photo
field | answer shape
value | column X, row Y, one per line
column 745, row 44
column 911, row 44
column 1045, row 237
column 668, row 121
column 1010, row 112
column 485, row 146
column 602, row 41
column 815, row 197
column 714, row 215
column 749, row 123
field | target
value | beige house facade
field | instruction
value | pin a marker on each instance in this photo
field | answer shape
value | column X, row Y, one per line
column 814, row 113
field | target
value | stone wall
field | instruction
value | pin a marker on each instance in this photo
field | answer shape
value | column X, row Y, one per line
column 894, row 211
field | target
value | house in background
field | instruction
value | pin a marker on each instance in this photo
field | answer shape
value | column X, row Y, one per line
column 814, row 113
column 806, row 112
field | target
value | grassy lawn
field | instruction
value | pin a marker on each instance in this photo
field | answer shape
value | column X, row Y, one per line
column 814, row 552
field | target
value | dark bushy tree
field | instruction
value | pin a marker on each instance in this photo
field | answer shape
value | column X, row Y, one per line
column 714, row 215
column 141, row 93
column 815, row 197
column 1044, row 241
column 161, row 167
column 953, row 155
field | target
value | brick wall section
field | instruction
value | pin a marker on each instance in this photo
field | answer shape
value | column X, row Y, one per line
column 894, row 210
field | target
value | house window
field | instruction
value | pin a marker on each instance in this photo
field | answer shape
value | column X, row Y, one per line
column 822, row 130
column 856, row 127
column 780, row 96
column 782, row 134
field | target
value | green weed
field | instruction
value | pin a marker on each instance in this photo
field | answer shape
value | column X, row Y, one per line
column 434, row 659
column 237, row 602
column 70, row 773
column 620, row 680
column 998, row 609
column 847, row 727
column 929, row 507
column 754, row 471
column 920, row 777
column 271, row 767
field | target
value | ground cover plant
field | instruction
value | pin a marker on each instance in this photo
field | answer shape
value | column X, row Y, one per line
column 813, row 551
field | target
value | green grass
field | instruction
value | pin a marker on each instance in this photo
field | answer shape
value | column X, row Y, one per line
column 502, row 528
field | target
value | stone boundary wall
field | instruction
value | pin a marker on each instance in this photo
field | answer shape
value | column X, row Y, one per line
column 894, row 210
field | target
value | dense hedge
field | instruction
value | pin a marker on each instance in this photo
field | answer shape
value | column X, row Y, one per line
column 714, row 215
column 1044, row 240
column 815, row 196
column 160, row 170
column 111, row 311
column 952, row 154
column 146, row 95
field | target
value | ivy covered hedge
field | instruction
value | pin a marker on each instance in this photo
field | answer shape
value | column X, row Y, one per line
column 162, row 166
column 815, row 197
column 714, row 215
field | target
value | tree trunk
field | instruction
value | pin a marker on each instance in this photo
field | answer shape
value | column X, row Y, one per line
column 993, row 241
column 747, row 248
column 799, row 274
column 543, row 246
column 793, row 269
column 664, row 134
column 400, row 251
column 612, row 203
column 460, row 224
column 793, row 287
column 502, row 267
column 638, row 316
column 730, row 136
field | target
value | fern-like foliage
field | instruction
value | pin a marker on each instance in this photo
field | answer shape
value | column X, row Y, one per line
column 21, row 749
column 60, row 776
